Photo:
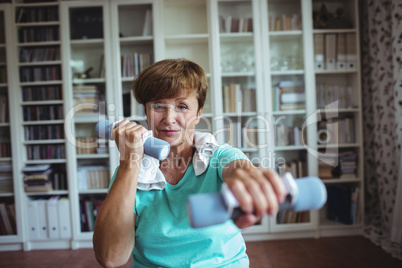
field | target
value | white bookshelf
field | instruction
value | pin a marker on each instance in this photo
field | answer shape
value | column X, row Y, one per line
column 252, row 59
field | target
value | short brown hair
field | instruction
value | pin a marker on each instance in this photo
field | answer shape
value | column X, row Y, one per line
column 167, row 78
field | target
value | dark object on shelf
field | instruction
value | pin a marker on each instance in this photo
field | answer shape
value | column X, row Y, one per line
column 86, row 23
column 323, row 19
column 84, row 75
column 339, row 204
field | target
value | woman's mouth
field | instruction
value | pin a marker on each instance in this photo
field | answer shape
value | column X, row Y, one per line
column 169, row 132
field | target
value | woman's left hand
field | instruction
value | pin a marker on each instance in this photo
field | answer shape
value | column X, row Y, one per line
column 258, row 191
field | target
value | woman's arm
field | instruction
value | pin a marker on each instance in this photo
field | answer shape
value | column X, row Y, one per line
column 114, row 232
column 258, row 190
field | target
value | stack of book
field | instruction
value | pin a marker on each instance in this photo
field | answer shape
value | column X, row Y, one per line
column 338, row 165
column 37, row 178
column 86, row 145
column 326, row 165
column 348, row 164
column 6, row 177
column 289, row 95
column 87, row 96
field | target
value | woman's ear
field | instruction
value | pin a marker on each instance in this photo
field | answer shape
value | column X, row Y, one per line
column 199, row 113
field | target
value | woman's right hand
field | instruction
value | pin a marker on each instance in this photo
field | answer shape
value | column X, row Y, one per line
column 128, row 138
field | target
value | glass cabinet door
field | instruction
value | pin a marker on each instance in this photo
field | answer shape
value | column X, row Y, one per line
column 89, row 98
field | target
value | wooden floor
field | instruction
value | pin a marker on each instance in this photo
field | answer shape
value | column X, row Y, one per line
column 339, row 252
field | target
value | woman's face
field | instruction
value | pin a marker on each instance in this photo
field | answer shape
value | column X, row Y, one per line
column 174, row 120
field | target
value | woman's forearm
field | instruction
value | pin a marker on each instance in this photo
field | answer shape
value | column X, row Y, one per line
column 114, row 231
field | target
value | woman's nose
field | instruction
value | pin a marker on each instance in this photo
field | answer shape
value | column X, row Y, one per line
column 170, row 115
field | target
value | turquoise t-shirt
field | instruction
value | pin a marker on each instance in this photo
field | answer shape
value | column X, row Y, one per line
column 163, row 236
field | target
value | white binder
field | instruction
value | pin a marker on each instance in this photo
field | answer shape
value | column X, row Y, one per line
column 42, row 218
column 64, row 218
column 53, row 218
column 330, row 51
column 33, row 221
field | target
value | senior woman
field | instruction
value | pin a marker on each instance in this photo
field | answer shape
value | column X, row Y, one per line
column 158, row 233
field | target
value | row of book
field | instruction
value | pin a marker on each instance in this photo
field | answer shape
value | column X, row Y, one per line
column 40, row 93
column 335, row 51
column 44, row 132
column 241, row 136
column 238, row 99
column 43, row 34
column 298, row 168
column 336, row 131
column 48, row 112
column 93, row 177
column 131, row 107
column 37, row 14
column 46, row 151
column 290, row 217
column 343, row 204
column 89, row 209
column 288, row 95
column 329, row 94
column 286, row 135
column 7, row 219
column 36, row 74
column 44, row 178
column 49, row 218
column 6, row 177
column 4, row 114
column 5, row 147
column 333, row 165
column 231, row 24
column 39, row 54
column 285, row 23
column 133, row 64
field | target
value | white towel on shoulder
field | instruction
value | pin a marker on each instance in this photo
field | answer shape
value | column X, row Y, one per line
column 152, row 178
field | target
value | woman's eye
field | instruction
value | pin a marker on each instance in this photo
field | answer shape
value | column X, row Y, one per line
column 182, row 107
column 157, row 106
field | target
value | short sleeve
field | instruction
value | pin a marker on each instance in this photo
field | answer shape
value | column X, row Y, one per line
column 226, row 154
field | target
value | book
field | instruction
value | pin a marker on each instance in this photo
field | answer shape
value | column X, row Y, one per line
column 147, row 30
column 248, row 100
